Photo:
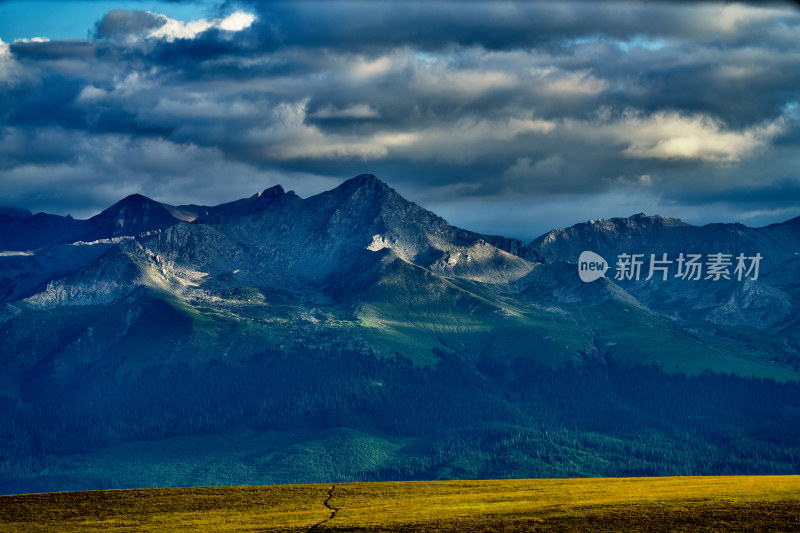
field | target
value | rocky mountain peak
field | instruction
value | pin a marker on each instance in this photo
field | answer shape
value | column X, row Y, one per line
column 273, row 192
column 366, row 180
column 365, row 186
column 132, row 215
column 363, row 201
column 262, row 202
column 131, row 203
column 645, row 221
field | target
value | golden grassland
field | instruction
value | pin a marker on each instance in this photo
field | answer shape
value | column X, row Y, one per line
column 736, row 503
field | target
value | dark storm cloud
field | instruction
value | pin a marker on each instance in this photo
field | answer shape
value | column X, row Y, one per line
column 50, row 104
column 122, row 22
column 52, row 50
column 355, row 25
column 569, row 109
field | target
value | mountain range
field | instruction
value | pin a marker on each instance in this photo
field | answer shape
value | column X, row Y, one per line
column 150, row 322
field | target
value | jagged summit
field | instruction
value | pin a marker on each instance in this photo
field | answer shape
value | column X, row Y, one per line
column 133, row 202
column 276, row 192
column 653, row 219
column 264, row 201
column 639, row 220
column 365, row 180
column 366, row 204
column 273, row 192
column 132, row 215
column 364, row 187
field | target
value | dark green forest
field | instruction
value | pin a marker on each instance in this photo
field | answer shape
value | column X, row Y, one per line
column 492, row 419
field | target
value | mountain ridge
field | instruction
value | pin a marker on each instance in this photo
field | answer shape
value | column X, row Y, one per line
column 357, row 320
column 102, row 226
column 313, row 238
column 335, row 247
column 337, row 243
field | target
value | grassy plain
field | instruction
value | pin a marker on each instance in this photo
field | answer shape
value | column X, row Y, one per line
column 740, row 503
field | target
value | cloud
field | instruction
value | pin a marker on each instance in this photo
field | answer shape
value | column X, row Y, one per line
column 174, row 29
column 548, row 168
column 354, row 111
column 674, row 136
column 289, row 137
column 6, row 64
column 122, row 23
column 137, row 25
column 464, row 84
column 507, row 25
column 237, row 21
column 466, row 139
column 671, row 136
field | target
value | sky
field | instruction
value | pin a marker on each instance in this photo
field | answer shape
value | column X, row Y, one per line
column 508, row 118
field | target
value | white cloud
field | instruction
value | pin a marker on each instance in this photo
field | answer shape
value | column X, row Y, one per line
column 363, row 69
column 470, row 73
column 461, row 141
column 237, row 21
column 669, row 135
column 4, row 51
column 443, row 79
column 289, row 137
column 91, row 94
column 175, row 29
column 555, row 82
column 33, row 40
column 731, row 19
column 170, row 29
column 9, row 70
